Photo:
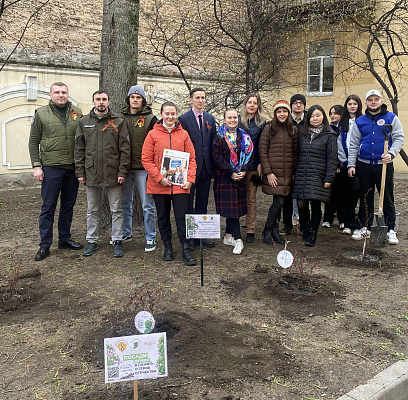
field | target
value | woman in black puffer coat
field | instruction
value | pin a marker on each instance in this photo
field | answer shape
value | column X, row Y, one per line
column 315, row 170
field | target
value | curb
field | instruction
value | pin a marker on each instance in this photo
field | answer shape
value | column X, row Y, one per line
column 390, row 384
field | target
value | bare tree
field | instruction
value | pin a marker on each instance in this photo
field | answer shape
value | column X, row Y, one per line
column 8, row 7
column 380, row 48
column 235, row 47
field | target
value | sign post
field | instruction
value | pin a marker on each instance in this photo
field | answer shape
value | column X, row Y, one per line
column 202, row 226
column 135, row 390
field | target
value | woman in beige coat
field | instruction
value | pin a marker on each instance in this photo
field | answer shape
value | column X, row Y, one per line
column 278, row 155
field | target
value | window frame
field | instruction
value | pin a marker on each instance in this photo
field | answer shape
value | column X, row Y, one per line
column 320, row 92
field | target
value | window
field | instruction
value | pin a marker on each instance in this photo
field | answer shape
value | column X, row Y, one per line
column 320, row 67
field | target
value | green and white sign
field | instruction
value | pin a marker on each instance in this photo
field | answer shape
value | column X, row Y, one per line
column 203, row 226
column 129, row 358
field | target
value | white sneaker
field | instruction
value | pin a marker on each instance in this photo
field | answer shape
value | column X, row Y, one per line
column 346, row 231
column 392, row 237
column 150, row 245
column 360, row 234
column 326, row 224
column 239, row 245
column 341, row 226
column 229, row 241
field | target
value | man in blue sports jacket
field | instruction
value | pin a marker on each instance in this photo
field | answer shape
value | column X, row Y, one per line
column 201, row 128
column 366, row 157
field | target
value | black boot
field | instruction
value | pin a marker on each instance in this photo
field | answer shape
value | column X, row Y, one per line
column 266, row 234
column 186, row 255
column 275, row 234
column 311, row 239
column 168, row 251
column 306, row 232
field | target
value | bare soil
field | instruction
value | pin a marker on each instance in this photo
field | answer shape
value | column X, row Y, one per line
column 253, row 331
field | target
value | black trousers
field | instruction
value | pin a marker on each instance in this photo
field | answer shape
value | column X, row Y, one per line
column 288, row 211
column 342, row 201
column 62, row 183
column 233, row 228
column 305, row 219
column 200, row 191
column 275, row 210
column 370, row 177
column 180, row 207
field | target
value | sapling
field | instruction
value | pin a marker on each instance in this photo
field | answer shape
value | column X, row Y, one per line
column 145, row 297
column 365, row 241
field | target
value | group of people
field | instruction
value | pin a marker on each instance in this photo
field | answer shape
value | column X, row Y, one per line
column 298, row 157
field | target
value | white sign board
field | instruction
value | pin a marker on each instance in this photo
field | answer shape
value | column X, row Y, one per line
column 129, row 358
column 203, row 226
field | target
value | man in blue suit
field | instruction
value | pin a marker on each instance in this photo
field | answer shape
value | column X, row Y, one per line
column 201, row 127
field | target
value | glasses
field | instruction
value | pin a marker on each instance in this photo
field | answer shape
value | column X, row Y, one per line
column 298, row 103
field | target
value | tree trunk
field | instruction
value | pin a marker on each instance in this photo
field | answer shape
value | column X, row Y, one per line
column 120, row 27
column 118, row 70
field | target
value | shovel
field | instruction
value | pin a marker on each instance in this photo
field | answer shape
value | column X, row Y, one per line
column 379, row 232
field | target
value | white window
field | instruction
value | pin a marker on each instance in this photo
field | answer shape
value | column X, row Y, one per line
column 320, row 68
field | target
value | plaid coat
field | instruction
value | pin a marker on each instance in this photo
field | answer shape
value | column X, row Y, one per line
column 230, row 202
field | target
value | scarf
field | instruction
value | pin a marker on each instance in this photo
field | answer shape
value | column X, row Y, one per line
column 247, row 147
column 315, row 131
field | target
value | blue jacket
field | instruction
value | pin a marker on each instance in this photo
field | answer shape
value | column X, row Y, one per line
column 367, row 137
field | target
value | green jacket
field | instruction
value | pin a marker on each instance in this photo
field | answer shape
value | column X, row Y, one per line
column 102, row 149
column 51, row 140
column 138, row 125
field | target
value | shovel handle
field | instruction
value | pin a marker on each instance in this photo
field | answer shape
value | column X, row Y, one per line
column 384, row 170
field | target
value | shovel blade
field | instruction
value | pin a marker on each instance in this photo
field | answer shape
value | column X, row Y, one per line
column 379, row 235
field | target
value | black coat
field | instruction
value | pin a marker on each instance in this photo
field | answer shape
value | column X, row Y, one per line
column 317, row 164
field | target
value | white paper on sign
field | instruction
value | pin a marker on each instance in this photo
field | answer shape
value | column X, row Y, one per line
column 285, row 258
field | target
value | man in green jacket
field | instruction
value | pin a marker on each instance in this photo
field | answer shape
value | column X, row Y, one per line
column 102, row 160
column 139, row 120
column 51, row 147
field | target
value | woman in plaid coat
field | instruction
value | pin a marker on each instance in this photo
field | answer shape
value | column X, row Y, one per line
column 232, row 152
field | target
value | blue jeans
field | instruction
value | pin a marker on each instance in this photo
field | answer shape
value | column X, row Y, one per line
column 138, row 178
column 57, row 181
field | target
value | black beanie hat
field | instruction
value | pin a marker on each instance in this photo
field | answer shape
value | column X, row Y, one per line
column 297, row 97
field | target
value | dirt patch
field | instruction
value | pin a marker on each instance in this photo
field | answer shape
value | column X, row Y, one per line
column 253, row 331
